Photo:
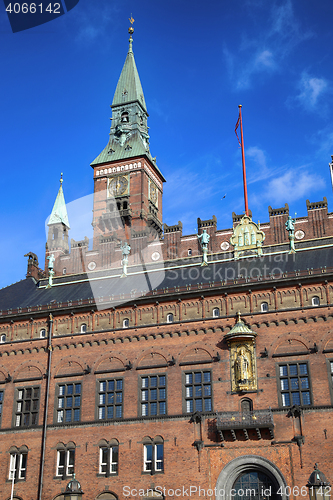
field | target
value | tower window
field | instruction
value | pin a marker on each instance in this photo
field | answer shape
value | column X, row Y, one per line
column 216, row 312
column 64, row 271
column 126, row 323
column 315, row 301
column 124, row 117
column 189, row 252
column 264, row 307
column 83, row 328
column 170, row 318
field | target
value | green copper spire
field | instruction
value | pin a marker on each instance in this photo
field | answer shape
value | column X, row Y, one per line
column 129, row 130
column 59, row 211
column 129, row 87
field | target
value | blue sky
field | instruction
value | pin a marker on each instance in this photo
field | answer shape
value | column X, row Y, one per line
column 197, row 61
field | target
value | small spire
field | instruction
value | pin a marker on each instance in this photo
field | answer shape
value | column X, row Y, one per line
column 61, row 179
column 239, row 317
column 59, row 211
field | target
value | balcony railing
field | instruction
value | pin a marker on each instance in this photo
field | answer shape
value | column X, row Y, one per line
column 232, row 421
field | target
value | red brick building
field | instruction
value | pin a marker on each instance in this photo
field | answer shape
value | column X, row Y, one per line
column 173, row 366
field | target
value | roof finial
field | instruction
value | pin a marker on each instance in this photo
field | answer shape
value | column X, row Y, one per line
column 239, row 317
column 61, row 179
column 131, row 31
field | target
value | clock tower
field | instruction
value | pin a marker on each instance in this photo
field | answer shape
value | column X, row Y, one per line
column 128, row 185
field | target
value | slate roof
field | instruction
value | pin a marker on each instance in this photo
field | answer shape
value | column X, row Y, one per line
column 107, row 288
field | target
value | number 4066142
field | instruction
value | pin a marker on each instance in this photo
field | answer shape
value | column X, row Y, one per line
column 32, row 8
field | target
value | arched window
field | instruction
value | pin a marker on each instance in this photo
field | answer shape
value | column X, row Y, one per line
column 153, row 454
column 189, row 251
column 264, row 307
column 83, row 328
column 42, row 333
column 124, row 117
column 216, row 312
column 64, row 271
column 18, row 462
column 315, row 301
column 65, row 459
column 254, row 481
column 246, row 405
column 108, row 457
column 3, row 338
column 126, row 323
column 170, row 318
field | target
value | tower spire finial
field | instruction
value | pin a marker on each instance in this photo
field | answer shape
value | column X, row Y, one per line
column 61, row 179
column 131, row 31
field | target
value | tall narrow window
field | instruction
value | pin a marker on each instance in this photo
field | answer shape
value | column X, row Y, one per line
column 294, row 384
column 18, row 465
column 216, row 312
column 126, row 323
column 198, row 391
column 2, row 338
column 27, row 406
column 153, row 455
column 153, row 395
column 108, row 458
column 68, row 403
column 110, row 399
column 83, row 328
column 315, row 301
column 1, row 403
column 66, row 460
column 170, row 318
column 42, row 333
column 264, row 307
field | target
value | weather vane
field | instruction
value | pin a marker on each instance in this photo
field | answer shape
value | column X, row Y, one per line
column 131, row 20
column 131, row 29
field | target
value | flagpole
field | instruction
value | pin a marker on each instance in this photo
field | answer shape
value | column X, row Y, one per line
column 243, row 161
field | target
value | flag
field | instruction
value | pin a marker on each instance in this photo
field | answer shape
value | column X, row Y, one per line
column 236, row 127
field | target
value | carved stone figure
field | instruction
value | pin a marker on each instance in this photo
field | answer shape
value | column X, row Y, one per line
column 242, row 366
column 51, row 260
column 290, row 227
column 204, row 240
column 125, row 250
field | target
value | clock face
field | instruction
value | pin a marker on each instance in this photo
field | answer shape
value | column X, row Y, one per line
column 153, row 193
column 118, row 186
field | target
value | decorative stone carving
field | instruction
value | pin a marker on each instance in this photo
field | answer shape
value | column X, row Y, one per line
column 247, row 237
column 243, row 367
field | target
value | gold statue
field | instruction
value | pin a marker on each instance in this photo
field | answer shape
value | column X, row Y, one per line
column 242, row 366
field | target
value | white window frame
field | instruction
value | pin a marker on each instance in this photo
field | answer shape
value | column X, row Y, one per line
column 314, row 299
column 3, row 338
column 42, row 333
column 126, row 323
column 216, row 312
column 83, row 328
column 264, row 307
column 67, row 466
column 156, row 465
column 169, row 318
column 16, row 468
column 110, row 464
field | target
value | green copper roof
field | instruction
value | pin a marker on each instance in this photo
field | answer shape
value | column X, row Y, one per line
column 129, row 86
column 240, row 328
column 59, row 211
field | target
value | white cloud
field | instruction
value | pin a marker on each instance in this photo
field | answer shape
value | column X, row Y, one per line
column 265, row 53
column 311, row 90
column 292, row 186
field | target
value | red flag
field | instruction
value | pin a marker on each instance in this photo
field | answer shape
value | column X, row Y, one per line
column 236, row 127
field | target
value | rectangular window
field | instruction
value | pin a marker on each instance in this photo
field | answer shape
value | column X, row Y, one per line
column 198, row 391
column 69, row 403
column 18, row 465
column 294, row 384
column 108, row 460
column 65, row 462
column 153, row 457
column 110, row 399
column 27, row 406
column 153, row 395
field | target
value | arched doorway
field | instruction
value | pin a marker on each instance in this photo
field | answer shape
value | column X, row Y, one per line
column 250, row 477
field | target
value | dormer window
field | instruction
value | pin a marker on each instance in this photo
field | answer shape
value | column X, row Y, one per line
column 126, row 323
column 170, row 318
